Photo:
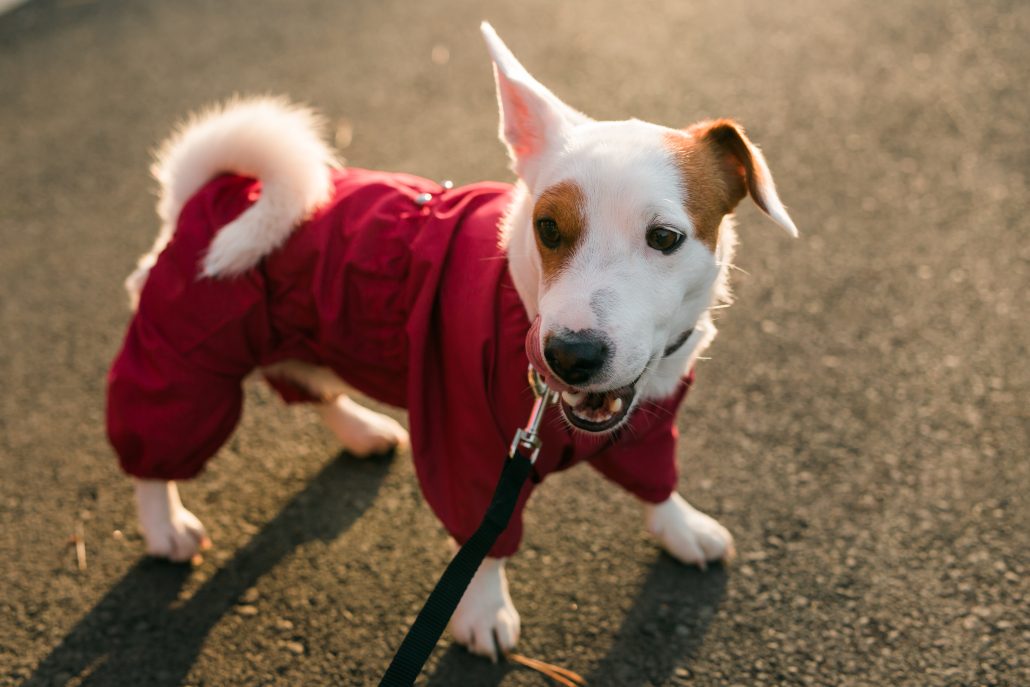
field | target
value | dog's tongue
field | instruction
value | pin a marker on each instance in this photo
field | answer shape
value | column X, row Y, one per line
column 534, row 351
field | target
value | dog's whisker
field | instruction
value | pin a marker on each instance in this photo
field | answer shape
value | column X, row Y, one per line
column 731, row 266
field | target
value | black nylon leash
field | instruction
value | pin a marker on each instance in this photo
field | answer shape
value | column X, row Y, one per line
column 425, row 632
column 431, row 621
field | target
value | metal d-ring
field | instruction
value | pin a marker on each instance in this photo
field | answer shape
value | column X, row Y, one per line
column 527, row 437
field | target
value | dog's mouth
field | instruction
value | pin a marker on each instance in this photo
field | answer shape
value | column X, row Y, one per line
column 590, row 411
column 597, row 411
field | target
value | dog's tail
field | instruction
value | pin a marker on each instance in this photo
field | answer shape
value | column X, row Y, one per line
column 265, row 138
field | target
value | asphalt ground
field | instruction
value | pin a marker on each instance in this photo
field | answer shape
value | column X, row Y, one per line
column 861, row 424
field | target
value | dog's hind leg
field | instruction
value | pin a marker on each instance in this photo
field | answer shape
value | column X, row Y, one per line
column 169, row 530
column 361, row 431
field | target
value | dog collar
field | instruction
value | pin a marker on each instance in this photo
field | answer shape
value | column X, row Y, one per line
column 678, row 343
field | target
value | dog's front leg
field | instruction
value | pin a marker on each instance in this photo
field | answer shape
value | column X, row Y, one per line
column 486, row 612
column 170, row 531
column 687, row 534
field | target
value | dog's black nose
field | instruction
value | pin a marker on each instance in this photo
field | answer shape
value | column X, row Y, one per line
column 576, row 356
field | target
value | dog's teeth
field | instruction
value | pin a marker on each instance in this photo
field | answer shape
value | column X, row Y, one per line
column 615, row 405
column 573, row 399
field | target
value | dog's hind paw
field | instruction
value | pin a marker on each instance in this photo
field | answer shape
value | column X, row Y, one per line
column 361, row 431
column 687, row 534
column 486, row 620
column 169, row 530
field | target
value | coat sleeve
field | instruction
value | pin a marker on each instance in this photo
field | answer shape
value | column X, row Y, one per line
column 643, row 459
column 166, row 415
column 174, row 390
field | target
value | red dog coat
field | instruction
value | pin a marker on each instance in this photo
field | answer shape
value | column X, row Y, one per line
column 411, row 304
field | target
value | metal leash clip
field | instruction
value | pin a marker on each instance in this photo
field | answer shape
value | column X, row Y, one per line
column 527, row 437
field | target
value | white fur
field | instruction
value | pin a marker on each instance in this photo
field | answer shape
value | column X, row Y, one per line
column 688, row 534
column 265, row 138
column 630, row 179
column 361, row 432
column 486, row 611
column 767, row 189
column 169, row 530
column 532, row 118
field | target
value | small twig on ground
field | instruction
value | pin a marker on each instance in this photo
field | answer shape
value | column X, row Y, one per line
column 562, row 676
column 79, row 541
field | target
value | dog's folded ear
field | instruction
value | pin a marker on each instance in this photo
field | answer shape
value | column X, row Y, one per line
column 744, row 168
column 533, row 120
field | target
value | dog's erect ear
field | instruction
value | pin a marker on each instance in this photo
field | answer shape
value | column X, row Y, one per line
column 533, row 120
column 744, row 168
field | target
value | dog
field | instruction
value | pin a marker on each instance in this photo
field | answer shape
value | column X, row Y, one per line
column 599, row 268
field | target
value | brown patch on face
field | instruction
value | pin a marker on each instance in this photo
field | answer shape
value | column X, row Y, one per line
column 565, row 205
column 715, row 162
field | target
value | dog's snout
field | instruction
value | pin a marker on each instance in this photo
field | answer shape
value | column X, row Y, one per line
column 576, row 357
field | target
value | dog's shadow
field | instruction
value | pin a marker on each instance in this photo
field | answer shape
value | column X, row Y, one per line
column 660, row 635
column 138, row 629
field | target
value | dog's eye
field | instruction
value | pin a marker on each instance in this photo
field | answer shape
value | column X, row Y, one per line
column 547, row 229
column 664, row 239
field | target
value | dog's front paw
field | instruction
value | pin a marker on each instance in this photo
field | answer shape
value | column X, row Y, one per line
column 486, row 619
column 169, row 530
column 688, row 534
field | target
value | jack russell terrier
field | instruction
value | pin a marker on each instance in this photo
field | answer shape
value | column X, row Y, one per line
column 599, row 268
